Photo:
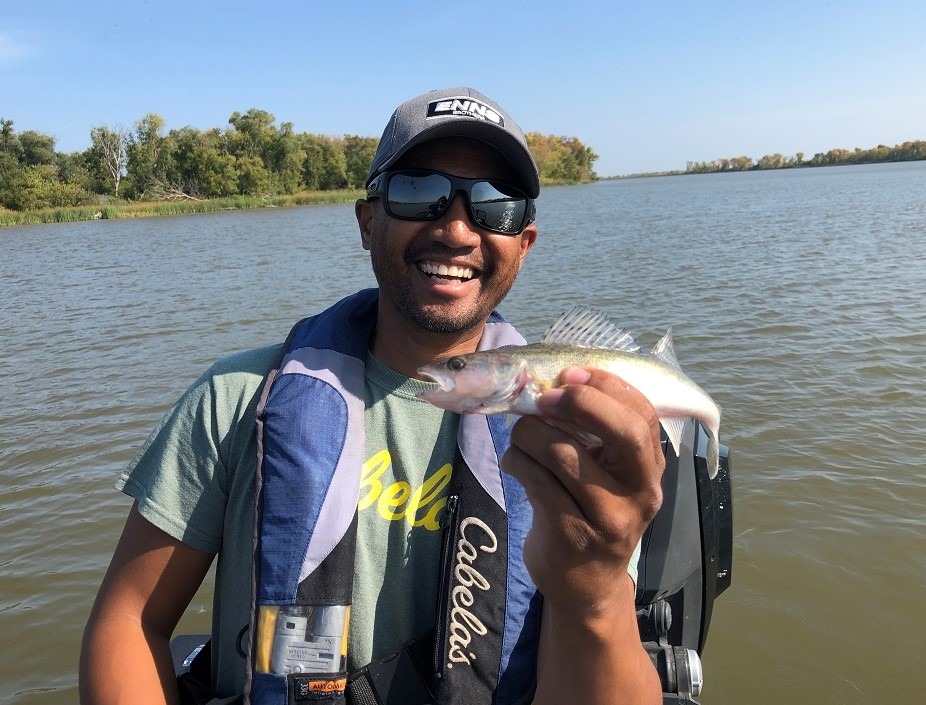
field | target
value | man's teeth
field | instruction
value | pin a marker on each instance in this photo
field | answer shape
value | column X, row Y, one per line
column 442, row 270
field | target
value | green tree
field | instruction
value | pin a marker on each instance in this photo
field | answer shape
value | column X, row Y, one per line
column 253, row 177
column 253, row 135
column 107, row 156
column 72, row 169
column 9, row 141
column 147, row 158
column 284, row 159
column 38, row 186
column 201, row 166
column 36, row 148
column 218, row 172
column 278, row 150
column 325, row 165
column 358, row 156
column 10, row 151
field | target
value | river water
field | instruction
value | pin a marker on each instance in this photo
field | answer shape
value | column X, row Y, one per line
column 796, row 298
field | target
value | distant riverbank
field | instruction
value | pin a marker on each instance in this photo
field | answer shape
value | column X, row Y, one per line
column 910, row 151
column 186, row 206
column 132, row 209
column 112, row 211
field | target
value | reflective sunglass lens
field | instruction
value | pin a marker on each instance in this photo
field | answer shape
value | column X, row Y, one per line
column 497, row 207
column 418, row 197
column 425, row 195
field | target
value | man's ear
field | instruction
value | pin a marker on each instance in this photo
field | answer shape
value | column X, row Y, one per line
column 363, row 209
column 528, row 238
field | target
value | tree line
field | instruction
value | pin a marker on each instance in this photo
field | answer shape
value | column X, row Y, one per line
column 908, row 151
column 253, row 156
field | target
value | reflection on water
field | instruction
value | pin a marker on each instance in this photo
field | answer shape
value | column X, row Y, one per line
column 796, row 301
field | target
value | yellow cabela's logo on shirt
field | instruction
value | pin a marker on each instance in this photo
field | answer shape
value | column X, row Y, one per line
column 419, row 506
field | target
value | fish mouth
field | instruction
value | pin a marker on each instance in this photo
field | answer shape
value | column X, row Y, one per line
column 448, row 396
column 445, row 398
column 446, row 384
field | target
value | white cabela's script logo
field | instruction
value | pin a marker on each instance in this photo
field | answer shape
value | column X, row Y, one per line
column 464, row 106
column 463, row 623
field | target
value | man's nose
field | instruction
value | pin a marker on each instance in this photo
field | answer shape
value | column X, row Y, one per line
column 456, row 226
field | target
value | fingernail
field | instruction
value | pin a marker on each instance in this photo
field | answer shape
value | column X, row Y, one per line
column 575, row 375
column 550, row 398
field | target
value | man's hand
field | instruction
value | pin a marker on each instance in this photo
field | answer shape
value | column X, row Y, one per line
column 591, row 506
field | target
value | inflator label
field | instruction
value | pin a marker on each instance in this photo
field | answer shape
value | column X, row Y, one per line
column 314, row 689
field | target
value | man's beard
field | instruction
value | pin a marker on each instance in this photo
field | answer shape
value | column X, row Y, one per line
column 453, row 318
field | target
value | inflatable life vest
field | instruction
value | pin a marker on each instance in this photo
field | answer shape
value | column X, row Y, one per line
column 311, row 445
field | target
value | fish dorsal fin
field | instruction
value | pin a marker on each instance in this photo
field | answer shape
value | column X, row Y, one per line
column 665, row 351
column 589, row 328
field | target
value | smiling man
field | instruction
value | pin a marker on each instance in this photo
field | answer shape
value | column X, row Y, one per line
column 371, row 547
column 440, row 279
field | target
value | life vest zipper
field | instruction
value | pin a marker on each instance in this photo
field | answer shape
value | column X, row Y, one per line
column 449, row 524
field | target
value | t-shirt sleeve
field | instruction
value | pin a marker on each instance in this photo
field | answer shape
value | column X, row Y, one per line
column 182, row 475
column 177, row 478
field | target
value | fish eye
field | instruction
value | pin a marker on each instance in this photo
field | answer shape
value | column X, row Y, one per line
column 456, row 363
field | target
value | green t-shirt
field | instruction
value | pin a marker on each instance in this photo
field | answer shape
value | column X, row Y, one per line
column 194, row 479
column 410, row 447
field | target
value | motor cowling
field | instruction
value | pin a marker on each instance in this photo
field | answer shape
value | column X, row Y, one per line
column 686, row 561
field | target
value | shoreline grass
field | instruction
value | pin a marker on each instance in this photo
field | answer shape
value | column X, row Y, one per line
column 146, row 209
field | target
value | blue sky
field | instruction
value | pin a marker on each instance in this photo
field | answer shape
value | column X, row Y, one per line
column 647, row 85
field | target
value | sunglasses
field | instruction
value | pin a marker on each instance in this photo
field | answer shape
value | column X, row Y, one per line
column 424, row 194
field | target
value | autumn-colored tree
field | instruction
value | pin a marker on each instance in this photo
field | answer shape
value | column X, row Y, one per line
column 562, row 159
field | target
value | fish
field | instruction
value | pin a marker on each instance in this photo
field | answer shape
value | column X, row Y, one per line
column 511, row 379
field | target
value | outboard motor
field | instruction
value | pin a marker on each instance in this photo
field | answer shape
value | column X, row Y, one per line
column 686, row 561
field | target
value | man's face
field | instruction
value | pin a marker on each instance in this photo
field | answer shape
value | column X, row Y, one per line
column 408, row 256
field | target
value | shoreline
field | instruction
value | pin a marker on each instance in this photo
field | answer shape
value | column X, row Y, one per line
column 147, row 209
column 754, row 167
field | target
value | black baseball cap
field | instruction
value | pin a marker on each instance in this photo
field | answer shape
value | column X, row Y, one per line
column 456, row 112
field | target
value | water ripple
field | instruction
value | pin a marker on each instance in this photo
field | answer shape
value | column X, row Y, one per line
column 795, row 299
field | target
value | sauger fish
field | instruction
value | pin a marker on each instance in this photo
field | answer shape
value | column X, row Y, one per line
column 511, row 379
